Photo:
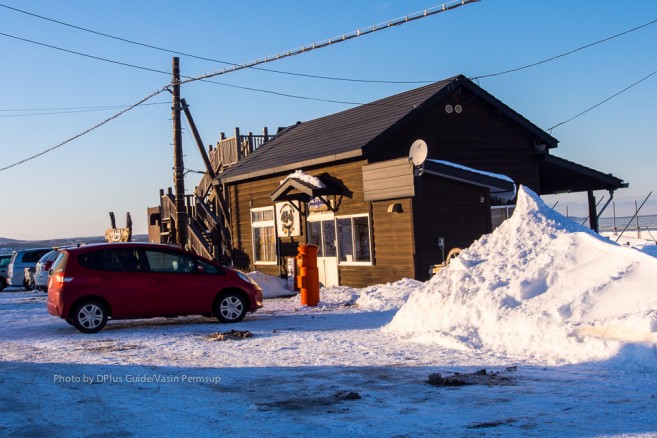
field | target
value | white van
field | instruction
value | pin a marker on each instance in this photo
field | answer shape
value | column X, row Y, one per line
column 21, row 259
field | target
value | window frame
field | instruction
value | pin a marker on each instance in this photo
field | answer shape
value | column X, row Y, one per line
column 508, row 213
column 264, row 224
column 321, row 219
column 353, row 242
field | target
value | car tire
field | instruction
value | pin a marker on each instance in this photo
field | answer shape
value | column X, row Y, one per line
column 3, row 284
column 230, row 307
column 89, row 316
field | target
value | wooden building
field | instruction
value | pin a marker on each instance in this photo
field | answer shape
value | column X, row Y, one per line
column 376, row 216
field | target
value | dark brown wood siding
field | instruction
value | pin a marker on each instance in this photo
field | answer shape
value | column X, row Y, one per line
column 458, row 212
column 392, row 233
column 392, row 247
column 481, row 136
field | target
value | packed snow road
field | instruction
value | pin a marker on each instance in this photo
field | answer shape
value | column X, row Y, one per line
column 323, row 372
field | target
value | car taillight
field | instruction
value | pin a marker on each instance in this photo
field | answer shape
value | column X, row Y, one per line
column 58, row 279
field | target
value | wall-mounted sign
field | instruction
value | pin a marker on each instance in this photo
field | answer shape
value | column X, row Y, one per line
column 288, row 219
column 316, row 205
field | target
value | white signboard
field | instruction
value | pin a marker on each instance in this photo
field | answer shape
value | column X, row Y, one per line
column 288, row 219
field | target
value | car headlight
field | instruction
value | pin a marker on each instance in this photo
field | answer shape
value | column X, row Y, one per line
column 245, row 277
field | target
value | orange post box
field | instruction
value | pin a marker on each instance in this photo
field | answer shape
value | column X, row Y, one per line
column 308, row 274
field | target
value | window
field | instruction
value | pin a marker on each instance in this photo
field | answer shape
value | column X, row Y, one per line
column 500, row 213
column 128, row 260
column 170, row 262
column 264, row 235
column 354, row 239
column 322, row 234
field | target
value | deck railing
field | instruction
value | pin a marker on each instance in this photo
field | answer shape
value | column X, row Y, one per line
column 208, row 232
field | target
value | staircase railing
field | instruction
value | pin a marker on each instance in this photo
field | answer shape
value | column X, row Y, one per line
column 197, row 241
column 208, row 231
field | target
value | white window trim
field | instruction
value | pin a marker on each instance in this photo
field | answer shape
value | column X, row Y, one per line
column 261, row 224
column 369, row 234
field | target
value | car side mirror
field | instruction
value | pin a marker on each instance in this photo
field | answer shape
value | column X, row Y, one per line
column 200, row 269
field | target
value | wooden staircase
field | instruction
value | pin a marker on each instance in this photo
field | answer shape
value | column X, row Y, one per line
column 206, row 211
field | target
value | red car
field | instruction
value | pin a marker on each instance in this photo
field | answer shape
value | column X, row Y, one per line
column 90, row 284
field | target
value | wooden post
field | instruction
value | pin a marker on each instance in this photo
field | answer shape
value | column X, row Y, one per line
column 197, row 138
column 593, row 212
column 178, row 167
column 239, row 144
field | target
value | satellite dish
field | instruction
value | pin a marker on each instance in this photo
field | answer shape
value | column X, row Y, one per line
column 418, row 152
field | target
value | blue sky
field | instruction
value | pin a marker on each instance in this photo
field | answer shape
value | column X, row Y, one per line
column 121, row 166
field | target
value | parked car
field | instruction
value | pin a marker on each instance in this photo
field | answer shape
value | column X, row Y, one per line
column 28, row 273
column 24, row 258
column 41, row 271
column 4, row 263
column 94, row 283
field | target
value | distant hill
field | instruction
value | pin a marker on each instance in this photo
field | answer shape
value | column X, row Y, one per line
column 9, row 245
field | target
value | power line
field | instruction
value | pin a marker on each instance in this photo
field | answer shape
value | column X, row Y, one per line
column 75, row 108
column 453, row 4
column 202, row 58
column 604, row 101
column 566, row 53
column 295, row 96
column 86, row 55
column 188, row 79
column 365, row 31
column 56, row 111
column 86, row 131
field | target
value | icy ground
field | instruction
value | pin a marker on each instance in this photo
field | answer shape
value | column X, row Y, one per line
column 562, row 321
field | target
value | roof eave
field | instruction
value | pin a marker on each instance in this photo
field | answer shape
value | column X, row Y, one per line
column 304, row 164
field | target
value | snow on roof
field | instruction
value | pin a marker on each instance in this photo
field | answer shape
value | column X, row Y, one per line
column 308, row 179
column 543, row 288
column 503, row 196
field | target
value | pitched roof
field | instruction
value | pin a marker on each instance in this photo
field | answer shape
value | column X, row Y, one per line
column 353, row 132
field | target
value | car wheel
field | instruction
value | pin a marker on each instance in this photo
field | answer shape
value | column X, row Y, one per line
column 3, row 284
column 89, row 316
column 230, row 307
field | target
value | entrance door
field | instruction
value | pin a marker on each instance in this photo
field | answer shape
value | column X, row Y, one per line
column 321, row 232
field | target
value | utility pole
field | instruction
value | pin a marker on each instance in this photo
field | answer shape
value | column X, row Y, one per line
column 178, row 168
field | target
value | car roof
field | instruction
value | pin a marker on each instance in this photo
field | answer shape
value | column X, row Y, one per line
column 141, row 245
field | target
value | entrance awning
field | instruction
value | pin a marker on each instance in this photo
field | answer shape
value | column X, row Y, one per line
column 557, row 175
column 303, row 187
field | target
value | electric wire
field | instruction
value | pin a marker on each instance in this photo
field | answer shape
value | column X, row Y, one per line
column 294, row 52
column 202, row 58
column 86, row 131
column 602, row 102
column 281, row 55
column 150, row 46
column 566, row 53
column 56, row 111
column 86, row 55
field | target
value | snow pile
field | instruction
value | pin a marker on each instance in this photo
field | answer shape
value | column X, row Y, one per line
column 376, row 298
column 541, row 288
column 308, row 179
column 272, row 287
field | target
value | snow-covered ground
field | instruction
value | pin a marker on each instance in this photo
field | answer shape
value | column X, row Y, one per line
column 564, row 323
